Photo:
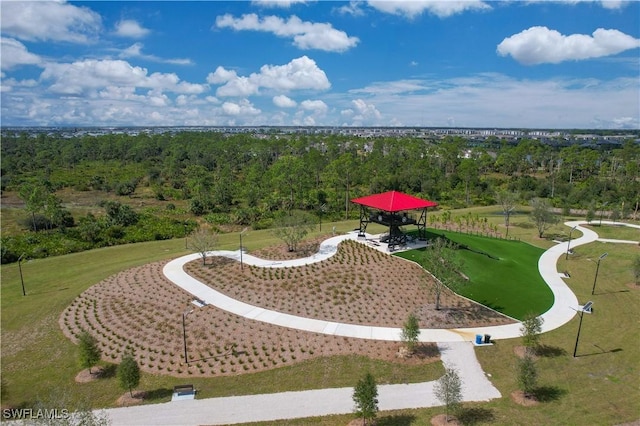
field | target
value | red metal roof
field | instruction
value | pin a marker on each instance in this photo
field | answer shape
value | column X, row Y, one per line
column 394, row 201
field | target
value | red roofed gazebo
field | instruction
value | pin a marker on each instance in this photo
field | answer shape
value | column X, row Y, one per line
column 389, row 205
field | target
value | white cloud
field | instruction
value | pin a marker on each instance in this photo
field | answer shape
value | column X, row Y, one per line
column 221, row 75
column 487, row 100
column 607, row 4
column 439, row 8
column 49, row 20
column 135, row 51
column 613, row 4
column 394, row 87
column 354, row 8
column 306, row 35
column 366, row 112
column 362, row 114
column 239, row 86
column 241, row 108
column 538, row 45
column 495, row 100
column 299, row 74
column 317, row 106
column 283, row 101
column 83, row 77
column 279, row 3
column 131, row 29
column 13, row 54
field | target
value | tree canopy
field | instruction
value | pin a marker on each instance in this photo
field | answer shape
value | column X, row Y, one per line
column 365, row 396
column 448, row 390
column 128, row 373
column 89, row 352
column 253, row 179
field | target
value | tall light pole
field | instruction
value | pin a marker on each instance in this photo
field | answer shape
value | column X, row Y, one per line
column 585, row 308
column 602, row 256
column 184, row 334
column 569, row 244
column 241, row 249
column 24, row 293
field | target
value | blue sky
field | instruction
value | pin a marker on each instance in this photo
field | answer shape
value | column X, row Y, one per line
column 527, row 64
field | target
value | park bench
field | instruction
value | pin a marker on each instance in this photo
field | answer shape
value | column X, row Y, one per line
column 183, row 392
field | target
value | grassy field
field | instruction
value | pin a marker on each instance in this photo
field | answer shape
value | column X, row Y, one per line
column 597, row 387
column 503, row 274
column 616, row 232
column 600, row 386
column 37, row 358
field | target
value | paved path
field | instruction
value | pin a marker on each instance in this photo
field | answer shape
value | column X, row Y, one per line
column 563, row 309
column 288, row 405
column 321, row 402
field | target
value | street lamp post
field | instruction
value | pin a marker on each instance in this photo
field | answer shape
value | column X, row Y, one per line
column 569, row 244
column 24, row 293
column 184, row 334
column 602, row 256
column 241, row 234
column 585, row 308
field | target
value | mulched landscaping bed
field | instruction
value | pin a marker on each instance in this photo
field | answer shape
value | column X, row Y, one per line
column 140, row 311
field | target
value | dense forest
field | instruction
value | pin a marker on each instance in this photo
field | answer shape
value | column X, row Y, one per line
column 252, row 179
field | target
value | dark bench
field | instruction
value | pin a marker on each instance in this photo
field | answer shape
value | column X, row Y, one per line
column 184, row 390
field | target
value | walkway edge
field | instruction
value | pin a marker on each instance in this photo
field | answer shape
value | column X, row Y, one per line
column 562, row 311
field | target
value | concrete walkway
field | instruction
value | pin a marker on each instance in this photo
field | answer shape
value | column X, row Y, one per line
column 321, row 402
column 562, row 311
column 289, row 405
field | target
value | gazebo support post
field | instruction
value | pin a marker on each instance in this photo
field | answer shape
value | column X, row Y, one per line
column 364, row 220
column 422, row 225
column 392, row 240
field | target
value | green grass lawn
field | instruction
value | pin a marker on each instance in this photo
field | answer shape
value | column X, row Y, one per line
column 503, row 275
column 615, row 232
column 38, row 359
column 600, row 386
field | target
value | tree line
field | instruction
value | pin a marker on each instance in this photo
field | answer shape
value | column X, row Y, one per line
column 253, row 179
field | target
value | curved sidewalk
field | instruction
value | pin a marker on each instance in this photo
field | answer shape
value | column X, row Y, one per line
column 562, row 311
column 290, row 405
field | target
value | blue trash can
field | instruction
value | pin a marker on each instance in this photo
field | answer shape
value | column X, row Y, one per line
column 478, row 339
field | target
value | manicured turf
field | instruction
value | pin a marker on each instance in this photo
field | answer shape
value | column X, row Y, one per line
column 597, row 387
column 503, row 275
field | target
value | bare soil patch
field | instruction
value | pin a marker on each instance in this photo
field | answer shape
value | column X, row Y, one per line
column 521, row 351
column 127, row 399
column 85, row 377
column 521, row 399
column 140, row 311
column 280, row 252
column 441, row 420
